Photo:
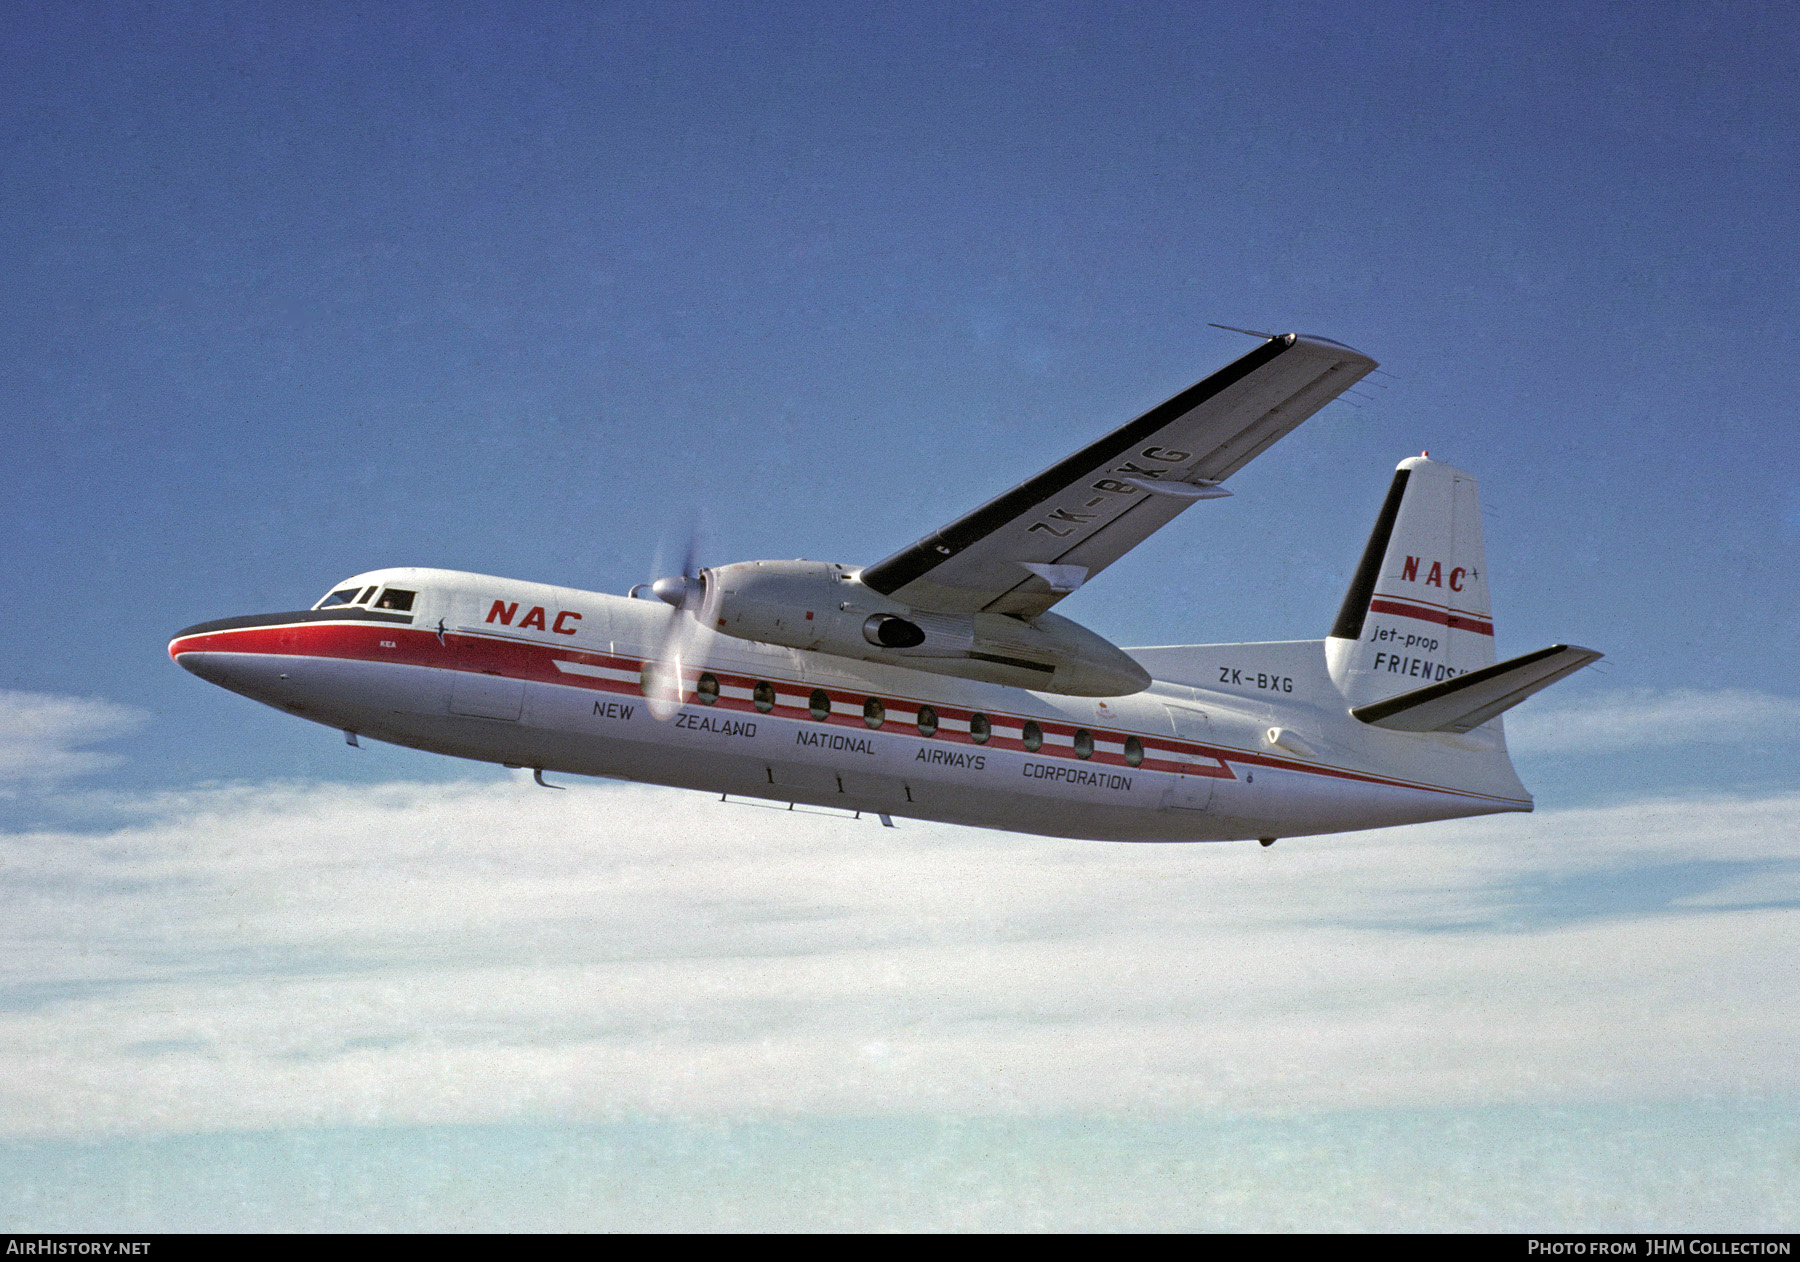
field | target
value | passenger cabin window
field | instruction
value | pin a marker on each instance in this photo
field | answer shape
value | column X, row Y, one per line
column 819, row 704
column 1033, row 736
column 928, row 721
column 707, row 691
column 1084, row 743
column 395, row 598
column 763, row 696
column 1134, row 752
column 980, row 728
column 874, row 713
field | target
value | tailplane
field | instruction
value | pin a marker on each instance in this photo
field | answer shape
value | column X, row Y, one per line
column 1413, row 645
column 1466, row 702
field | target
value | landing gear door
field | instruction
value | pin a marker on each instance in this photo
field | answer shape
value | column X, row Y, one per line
column 1189, row 792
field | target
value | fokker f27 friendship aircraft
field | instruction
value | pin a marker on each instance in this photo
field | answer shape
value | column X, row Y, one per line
column 938, row 683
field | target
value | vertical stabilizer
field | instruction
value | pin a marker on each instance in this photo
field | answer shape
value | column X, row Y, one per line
column 1417, row 610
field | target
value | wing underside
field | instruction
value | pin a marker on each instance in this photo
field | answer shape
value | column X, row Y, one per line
column 1023, row 551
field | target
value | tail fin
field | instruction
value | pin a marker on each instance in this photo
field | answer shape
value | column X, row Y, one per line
column 1417, row 610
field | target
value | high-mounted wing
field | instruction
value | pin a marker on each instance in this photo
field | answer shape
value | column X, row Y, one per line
column 1023, row 551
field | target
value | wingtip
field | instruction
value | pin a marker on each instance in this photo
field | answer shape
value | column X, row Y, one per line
column 1290, row 339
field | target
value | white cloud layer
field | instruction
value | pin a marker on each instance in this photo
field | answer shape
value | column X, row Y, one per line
column 41, row 736
column 274, row 956
column 1643, row 718
column 1678, row 1168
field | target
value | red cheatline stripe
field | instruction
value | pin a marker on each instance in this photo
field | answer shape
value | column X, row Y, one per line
column 518, row 659
column 1455, row 621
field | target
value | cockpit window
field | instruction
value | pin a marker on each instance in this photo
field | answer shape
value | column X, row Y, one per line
column 345, row 597
column 394, row 598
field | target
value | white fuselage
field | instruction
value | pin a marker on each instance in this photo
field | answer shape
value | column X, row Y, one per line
column 1228, row 742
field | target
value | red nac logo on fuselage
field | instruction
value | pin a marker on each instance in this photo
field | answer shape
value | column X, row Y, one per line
column 502, row 613
column 1435, row 576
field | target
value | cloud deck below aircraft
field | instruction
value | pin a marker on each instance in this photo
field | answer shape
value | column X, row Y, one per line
column 270, row 956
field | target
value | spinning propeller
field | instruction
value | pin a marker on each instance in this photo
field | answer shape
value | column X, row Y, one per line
column 684, row 637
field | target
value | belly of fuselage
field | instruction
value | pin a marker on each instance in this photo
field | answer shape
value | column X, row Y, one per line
column 722, row 749
column 584, row 713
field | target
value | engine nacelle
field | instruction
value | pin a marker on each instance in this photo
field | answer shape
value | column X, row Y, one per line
column 823, row 607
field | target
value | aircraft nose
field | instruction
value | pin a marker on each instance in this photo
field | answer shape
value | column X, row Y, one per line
column 188, row 645
column 184, row 648
column 177, row 651
column 198, row 652
column 230, row 652
column 208, row 666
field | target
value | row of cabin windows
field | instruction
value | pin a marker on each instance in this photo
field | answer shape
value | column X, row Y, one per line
column 706, row 692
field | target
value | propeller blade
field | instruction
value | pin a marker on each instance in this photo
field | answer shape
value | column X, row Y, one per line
column 684, row 636
column 689, row 563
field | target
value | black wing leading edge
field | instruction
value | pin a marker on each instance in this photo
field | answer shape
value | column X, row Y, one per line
column 1026, row 549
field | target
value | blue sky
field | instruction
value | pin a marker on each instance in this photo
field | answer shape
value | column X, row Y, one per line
column 530, row 290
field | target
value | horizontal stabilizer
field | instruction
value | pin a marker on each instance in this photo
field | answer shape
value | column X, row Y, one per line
column 1469, row 700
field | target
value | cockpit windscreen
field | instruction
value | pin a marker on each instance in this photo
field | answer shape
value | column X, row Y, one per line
column 343, row 596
